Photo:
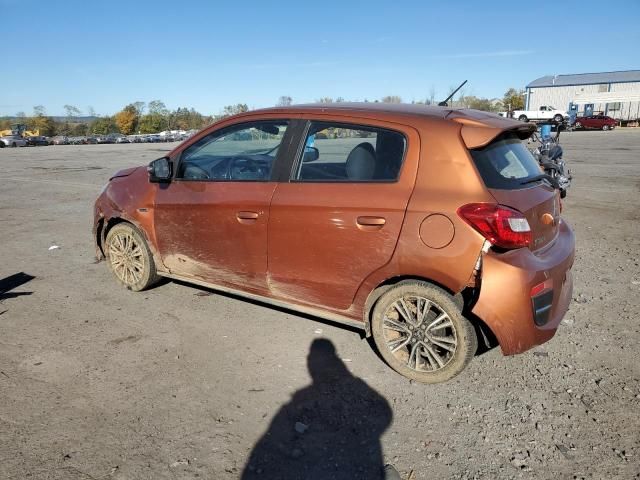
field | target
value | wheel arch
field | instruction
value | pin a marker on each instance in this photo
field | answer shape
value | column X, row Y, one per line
column 465, row 299
column 105, row 225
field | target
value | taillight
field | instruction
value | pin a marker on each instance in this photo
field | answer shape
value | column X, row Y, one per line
column 502, row 226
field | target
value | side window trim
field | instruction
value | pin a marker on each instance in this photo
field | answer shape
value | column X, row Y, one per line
column 296, row 133
column 295, row 165
column 177, row 160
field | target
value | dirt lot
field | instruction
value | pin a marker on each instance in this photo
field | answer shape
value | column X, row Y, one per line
column 98, row 382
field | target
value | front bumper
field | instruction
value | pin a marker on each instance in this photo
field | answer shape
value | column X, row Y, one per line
column 505, row 302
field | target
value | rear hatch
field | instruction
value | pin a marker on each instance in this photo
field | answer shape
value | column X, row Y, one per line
column 514, row 178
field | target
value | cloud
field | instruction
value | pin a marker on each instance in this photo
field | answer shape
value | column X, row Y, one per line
column 500, row 53
column 275, row 65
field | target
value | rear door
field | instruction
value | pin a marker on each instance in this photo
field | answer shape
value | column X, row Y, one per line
column 337, row 217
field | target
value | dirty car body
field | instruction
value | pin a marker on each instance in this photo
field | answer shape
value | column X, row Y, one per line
column 339, row 211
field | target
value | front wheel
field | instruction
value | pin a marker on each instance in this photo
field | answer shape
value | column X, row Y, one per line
column 605, row 127
column 523, row 118
column 558, row 118
column 129, row 257
column 421, row 333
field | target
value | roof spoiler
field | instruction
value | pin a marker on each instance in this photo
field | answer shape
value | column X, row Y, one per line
column 478, row 133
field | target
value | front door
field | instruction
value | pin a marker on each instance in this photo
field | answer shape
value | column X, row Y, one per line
column 338, row 218
column 211, row 221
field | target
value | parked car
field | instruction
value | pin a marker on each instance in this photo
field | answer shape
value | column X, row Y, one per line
column 599, row 122
column 91, row 141
column 37, row 141
column 122, row 140
column 59, row 140
column 431, row 229
column 544, row 113
column 13, row 141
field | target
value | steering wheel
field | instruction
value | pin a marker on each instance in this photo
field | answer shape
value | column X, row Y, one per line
column 251, row 162
column 193, row 172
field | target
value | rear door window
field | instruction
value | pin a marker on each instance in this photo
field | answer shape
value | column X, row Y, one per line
column 335, row 152
column 505, row 163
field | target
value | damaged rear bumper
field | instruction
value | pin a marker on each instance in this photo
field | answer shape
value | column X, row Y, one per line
column 507, row 303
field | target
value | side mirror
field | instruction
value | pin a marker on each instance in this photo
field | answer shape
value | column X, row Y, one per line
column 311, row 154
column 160, row 170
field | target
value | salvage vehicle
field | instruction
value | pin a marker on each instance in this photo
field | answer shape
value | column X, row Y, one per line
column 13, row 141
column 37, row 141
column 431, row 229
column 544, row 113
column 548, row 153
column 598, row 122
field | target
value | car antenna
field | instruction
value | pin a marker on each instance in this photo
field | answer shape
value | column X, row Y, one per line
column 444, row 102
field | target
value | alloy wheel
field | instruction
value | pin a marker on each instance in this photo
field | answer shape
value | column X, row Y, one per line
column 419, row 333
column 126, row 257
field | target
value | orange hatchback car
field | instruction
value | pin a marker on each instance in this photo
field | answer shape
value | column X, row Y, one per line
column 432, row 229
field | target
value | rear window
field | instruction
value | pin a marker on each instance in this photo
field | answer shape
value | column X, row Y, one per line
column 505, row 163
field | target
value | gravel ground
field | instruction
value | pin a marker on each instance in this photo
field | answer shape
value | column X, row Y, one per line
column 177, row 382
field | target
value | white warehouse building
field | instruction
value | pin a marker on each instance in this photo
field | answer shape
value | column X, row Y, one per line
column 616, row 94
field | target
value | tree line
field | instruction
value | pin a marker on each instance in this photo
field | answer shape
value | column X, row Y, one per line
column 154, row 116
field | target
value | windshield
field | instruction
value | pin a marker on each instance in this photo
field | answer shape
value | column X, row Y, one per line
column 505, row 163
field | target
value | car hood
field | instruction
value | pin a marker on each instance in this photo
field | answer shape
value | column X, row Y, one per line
column 124, row 172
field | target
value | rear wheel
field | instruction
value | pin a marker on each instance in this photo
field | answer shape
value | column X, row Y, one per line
column 523, row 118
column 421, row 333
column 129, row 257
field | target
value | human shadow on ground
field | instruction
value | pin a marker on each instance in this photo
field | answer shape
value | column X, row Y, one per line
column 328, row 430
column 14, row 281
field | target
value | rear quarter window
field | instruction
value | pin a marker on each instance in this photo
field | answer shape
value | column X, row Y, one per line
column 505, row 163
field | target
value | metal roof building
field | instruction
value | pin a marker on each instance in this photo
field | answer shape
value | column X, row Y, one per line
column 616, row 94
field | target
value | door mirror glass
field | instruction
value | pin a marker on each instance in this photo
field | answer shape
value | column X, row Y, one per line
column 160, row 170
column 311, row 154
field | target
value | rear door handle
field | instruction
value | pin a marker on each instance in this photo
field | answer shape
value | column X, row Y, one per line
column 247, row 217
column 371, row 223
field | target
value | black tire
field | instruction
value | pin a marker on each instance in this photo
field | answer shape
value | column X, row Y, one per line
column 523, row 118
column 129, row 257
column 432, row 363
column 558, row 118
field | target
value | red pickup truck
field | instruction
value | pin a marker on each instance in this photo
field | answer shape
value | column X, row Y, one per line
column 599, row 122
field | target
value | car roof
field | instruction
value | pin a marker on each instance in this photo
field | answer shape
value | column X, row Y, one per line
column 478, row 127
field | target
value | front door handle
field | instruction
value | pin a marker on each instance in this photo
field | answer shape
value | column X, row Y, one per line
column 370, row 223
column 247, row 217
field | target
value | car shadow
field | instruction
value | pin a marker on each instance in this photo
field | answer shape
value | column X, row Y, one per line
column 290, row 311
column 14, row 281
column 330, row 429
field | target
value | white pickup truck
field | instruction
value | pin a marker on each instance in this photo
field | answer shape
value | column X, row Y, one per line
column 545, row 112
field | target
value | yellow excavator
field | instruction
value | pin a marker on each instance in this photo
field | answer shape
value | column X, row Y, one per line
column 20, row 129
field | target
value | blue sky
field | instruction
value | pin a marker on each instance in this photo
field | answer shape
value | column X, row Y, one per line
column 207, row 54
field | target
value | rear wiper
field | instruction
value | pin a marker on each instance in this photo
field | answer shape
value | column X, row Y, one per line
column 542, row 176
